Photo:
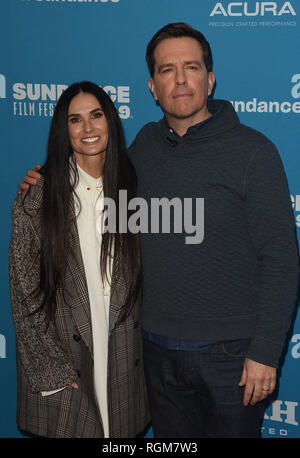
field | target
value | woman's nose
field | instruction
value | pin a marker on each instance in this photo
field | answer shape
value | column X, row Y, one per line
column 87, row 126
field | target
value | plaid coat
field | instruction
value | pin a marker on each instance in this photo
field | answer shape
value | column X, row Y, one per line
column 49, row 359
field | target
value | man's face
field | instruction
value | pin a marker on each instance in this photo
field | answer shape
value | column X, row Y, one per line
column 181, row 83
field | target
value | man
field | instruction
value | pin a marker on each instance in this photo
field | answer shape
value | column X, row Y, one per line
column 215, row 314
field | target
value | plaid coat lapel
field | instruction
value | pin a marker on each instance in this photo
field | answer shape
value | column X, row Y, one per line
column 76, row 286
column 117, row 298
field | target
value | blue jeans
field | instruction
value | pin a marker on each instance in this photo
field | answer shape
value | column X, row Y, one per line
column 196, row 393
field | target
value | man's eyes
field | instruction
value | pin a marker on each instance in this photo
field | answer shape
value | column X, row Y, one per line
column 166, row 70
column 188, row 67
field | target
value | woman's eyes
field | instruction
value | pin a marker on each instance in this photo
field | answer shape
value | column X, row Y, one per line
column 73, row 120
column 95, row 115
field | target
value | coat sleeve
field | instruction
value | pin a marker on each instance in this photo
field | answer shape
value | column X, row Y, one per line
column 41, row 355
column 272, row 233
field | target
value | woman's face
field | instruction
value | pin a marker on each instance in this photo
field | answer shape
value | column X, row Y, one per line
column 88, row 130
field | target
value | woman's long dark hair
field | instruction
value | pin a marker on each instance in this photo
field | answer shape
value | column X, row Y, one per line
column 59, row 183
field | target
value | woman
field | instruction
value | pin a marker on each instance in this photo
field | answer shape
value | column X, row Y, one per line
column 74, row 291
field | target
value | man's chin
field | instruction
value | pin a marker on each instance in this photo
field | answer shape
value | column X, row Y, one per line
column 186, row 112
column 192, row 116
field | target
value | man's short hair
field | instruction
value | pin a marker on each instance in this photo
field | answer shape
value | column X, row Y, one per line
column 177, row 30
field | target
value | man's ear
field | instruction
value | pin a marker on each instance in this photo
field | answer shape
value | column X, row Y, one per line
column 152, row 87
column 211, row 82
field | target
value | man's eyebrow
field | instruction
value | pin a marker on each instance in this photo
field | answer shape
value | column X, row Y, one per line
column 186, row 62
column 197, row 62
column 92, row 111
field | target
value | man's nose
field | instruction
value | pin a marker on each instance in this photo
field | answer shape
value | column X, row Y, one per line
column 180, row 76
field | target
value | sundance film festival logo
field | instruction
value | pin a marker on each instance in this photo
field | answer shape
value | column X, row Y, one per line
column 296, row 206
column 161, row 216
column 2, row 87
column 253, row 14
column 39, row 99
column 256, row 105
column 295, row 351
column 2, row 346
column 281, row 412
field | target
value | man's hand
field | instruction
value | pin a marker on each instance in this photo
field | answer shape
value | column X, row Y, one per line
column 259, row 381
column 31, row 178
column 72, row 386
